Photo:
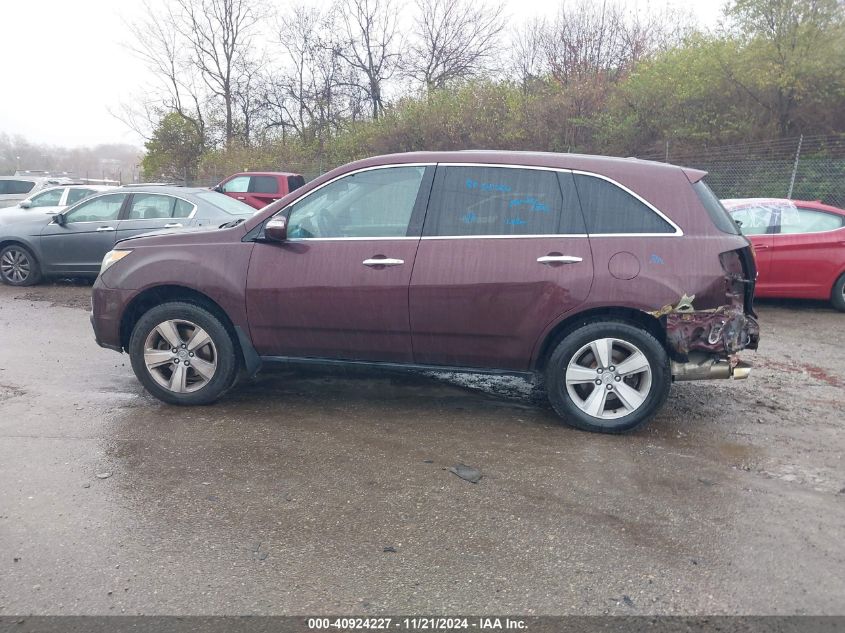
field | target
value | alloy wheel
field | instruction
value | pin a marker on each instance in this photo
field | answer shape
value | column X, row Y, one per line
column 15, row 266
column 180, row 356
column 608, row 378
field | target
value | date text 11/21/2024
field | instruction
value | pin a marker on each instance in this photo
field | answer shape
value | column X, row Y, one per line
column 418, row 623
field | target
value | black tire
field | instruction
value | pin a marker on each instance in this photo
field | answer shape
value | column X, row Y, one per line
column 837, row 295
column 222, row 349
column 573, row 346
column 15, row 260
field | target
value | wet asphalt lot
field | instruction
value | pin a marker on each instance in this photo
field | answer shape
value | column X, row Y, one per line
column 282, row 498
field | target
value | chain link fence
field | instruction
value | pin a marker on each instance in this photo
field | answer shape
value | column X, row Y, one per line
column 803, row 168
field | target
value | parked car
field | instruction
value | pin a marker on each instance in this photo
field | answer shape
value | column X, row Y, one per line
column 799, row 245
column 608, row 276
column 52, row 200
column 260, row 188
column 13, row 189
column 73, row 242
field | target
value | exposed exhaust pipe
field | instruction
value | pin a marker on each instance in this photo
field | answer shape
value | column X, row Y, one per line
column 709, row 368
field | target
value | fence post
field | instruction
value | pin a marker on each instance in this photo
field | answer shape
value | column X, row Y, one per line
column 795, row 167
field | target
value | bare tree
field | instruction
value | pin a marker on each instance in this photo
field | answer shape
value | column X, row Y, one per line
column 157, row 42
column 220, row 34
column 454, row 39
column 527, row 61
column 369, row 45
column 603, row 39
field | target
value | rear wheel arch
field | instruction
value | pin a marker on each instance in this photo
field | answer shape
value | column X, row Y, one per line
column 631, row 316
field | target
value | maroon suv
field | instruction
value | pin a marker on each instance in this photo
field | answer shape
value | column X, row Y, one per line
column 610, row 277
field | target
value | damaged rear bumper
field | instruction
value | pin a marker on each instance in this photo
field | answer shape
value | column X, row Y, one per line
column 703, row 344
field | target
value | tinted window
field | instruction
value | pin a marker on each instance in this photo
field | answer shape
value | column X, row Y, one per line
column 100, row 209
column 74, row 195
column 239, row 184
column 754, row 220
column 715, row 209
column 498, row 201
column 182, row 209
column 808, row 221
column 150, row 207
column 16, row 186
column 264, row 184
column 295, row 182
column 49, row 198
column 374, row 203
column 610, row 209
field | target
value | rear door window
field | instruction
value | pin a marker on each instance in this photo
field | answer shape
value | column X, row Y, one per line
column 608, row 208
column 263, row 184
column 75, row 194
column 150, row 207
column 500, row 201
column 801, row 220
column 182, row 209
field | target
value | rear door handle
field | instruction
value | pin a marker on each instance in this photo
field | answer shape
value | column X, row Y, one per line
column 559, row 259
column 383, row 261
column 173, row 225
column 760, row 247
column 105, row 228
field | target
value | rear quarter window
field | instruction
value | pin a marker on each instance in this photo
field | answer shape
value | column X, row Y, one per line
column 608, row 208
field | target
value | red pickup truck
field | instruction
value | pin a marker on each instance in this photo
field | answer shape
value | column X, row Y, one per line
column 260, row 188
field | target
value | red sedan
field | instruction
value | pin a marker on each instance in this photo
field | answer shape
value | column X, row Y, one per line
column 800, row 247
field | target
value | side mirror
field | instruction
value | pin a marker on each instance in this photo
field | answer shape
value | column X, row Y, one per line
column 276, row 229
column 59, row 219
column 26, row 204
column 219, row 189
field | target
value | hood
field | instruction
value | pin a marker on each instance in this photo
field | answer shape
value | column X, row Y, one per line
column 23, row 218
column 173, row 231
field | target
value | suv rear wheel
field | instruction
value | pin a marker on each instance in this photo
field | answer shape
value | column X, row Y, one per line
column 183, row 354
column 608, row 377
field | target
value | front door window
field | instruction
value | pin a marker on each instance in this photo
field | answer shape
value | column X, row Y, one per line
column 373, row 203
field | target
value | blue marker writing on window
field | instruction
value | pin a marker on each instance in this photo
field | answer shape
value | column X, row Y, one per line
column 515, row 221
column 469, row 218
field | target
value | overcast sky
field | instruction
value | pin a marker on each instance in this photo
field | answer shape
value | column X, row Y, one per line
column 66, row 64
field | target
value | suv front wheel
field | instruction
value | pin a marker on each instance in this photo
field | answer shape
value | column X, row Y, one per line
column 608, row 377
column 183, row 354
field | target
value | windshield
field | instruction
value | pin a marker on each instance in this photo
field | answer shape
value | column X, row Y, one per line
column 225, row 203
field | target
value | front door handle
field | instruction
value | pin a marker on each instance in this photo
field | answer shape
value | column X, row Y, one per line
column 760, row 247
column 173, row 225
column 241, row 198
column 383, row 261
column 105, row 228
column 558, row 259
